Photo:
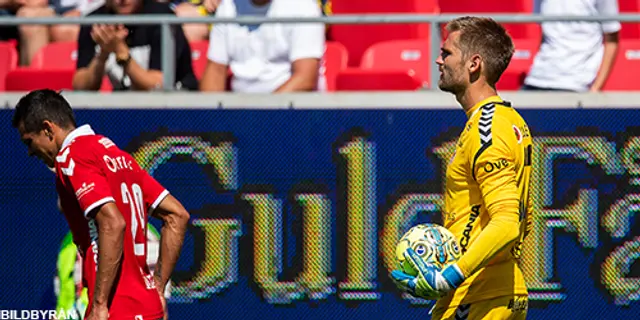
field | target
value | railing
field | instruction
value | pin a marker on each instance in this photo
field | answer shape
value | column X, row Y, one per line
column 168, row 59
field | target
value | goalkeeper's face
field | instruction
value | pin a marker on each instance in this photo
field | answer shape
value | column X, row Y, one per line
column 451, row 65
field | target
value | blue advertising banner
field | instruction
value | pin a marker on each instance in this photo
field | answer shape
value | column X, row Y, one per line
column 295, row 213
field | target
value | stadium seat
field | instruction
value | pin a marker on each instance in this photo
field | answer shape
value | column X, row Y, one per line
column 27, row 79
column 56, row 55
column 9, row 58
column 199, row 57
column 525, row 52
column 355, row 79
column 518, row 31
column 630, row 30
column 335, row 60
column 400, row 55
column 623, row 76
column 357, row 38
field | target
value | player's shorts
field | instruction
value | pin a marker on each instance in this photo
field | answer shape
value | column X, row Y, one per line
column 502, row 308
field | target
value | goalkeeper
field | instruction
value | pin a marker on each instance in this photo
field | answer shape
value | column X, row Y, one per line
column 70, row 293
column 487, row 205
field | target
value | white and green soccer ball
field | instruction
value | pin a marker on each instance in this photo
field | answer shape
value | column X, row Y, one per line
column 435, row 244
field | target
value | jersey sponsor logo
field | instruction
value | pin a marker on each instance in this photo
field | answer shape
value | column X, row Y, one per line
column 466, row 234
column 497, row 165
column 118, row 163
column 84, row 189
column 106, row 142
column 518, row 134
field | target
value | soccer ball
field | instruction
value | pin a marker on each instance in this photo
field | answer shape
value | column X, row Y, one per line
column 435, row 244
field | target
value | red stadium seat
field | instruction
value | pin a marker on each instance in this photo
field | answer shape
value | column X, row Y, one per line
column 199, row 57
column 335, row 60
column 513, row 77
column 627, row 66
column 357, row 38
column 400, row 55
column 27, row 79
column 354, row 79
column 630, row 30
column 9, row 58
column 519, row 31
column 56, row 55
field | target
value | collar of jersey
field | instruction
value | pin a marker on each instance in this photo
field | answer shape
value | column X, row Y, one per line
column 477, row 106
column 84, row 130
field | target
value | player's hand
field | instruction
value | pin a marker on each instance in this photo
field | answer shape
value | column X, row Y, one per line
column 430, row 283
column 98, row 312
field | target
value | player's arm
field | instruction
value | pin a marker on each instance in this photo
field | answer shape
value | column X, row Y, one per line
column 500, row 196
column 175, row 218
column 111, row 228
column 85, row 179
column 494, row 170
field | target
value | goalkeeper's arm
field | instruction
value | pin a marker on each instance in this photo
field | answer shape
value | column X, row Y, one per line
column 500, row 196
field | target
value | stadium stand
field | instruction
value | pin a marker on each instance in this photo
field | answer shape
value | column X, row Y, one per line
column 400, row 50
column 335, row 60
column 525, row 52
column 9, row 60
column 356, row 79
column 630, row 30
column 627, row 65
column 400, row 55
column 199, row 57
column 357, row 38
column 56, row 55
column 517, row 31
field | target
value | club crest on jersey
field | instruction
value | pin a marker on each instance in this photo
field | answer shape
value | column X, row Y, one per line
column 516, row 130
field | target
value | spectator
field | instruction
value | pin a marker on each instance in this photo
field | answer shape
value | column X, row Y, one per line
column 130, row 55
column 269, row 57
column 195, row 8
column 35, row 37
column 8, row 8
column 572, row 56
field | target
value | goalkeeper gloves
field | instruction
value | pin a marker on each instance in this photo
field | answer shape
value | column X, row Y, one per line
column 430, row 283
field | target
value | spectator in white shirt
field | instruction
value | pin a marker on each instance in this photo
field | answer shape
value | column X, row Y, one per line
column 575, row 56
column 269, row 57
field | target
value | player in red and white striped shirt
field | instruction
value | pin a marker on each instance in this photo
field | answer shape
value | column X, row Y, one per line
column 106, row 198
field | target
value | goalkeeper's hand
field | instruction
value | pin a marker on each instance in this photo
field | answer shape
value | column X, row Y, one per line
column 430, row 283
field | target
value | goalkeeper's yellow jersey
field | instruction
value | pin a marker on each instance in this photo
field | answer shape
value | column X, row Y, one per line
column 488, row 178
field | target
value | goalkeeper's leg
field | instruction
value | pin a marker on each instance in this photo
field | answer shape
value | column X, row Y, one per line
column 501, row 308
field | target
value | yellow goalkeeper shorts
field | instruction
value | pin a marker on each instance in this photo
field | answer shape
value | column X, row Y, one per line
column 501, row 308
